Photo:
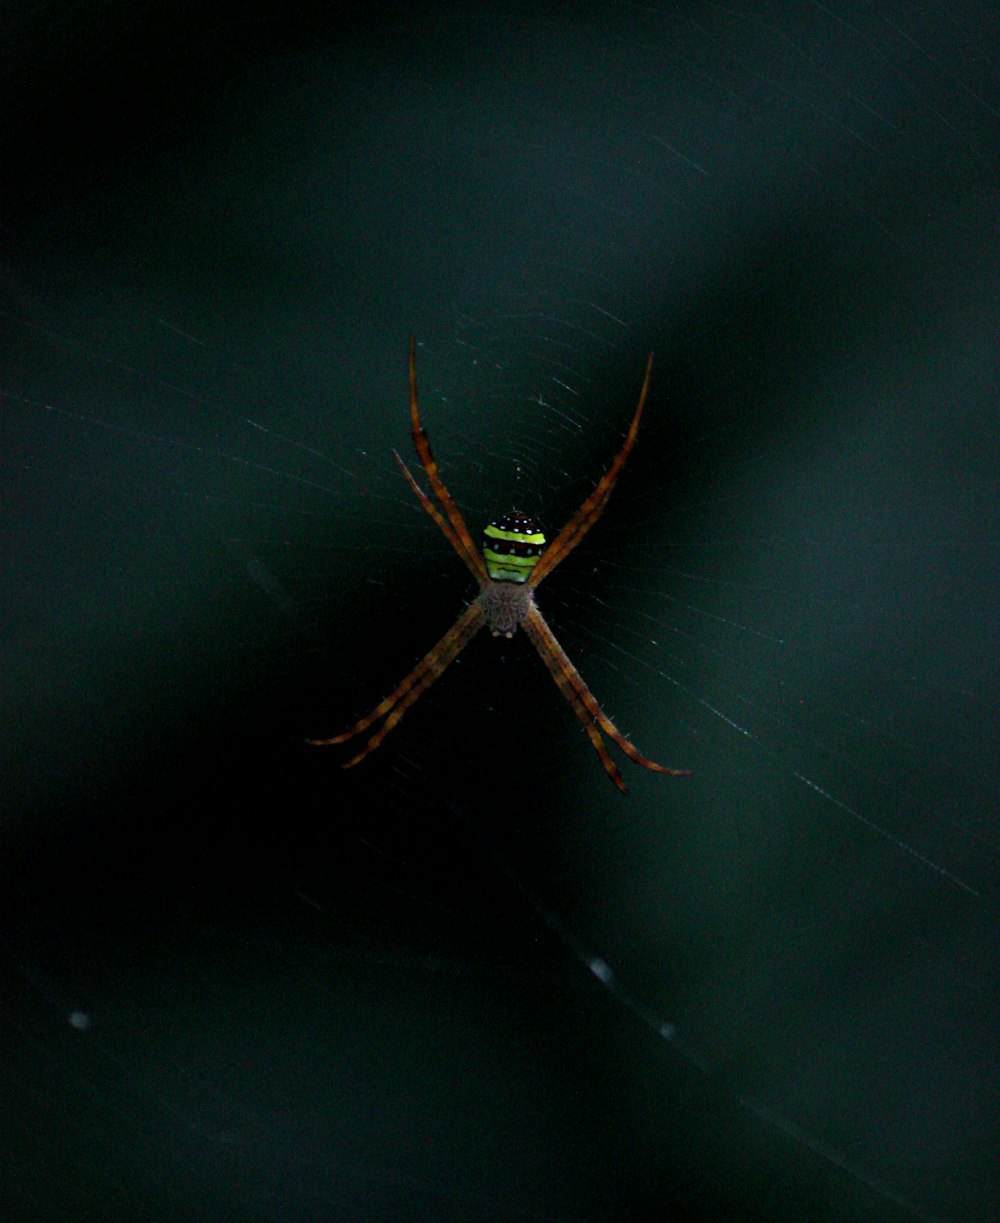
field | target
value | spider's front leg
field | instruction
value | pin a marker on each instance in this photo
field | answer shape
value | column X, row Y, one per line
column 584, row 703
column 410, row 689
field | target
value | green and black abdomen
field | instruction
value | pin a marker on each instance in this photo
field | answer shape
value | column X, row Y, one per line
column 512, row 545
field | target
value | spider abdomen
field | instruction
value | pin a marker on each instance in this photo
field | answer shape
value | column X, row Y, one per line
column 512, row 545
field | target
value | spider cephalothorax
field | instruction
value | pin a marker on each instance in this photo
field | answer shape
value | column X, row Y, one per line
column 505, row 605
column 513, row 561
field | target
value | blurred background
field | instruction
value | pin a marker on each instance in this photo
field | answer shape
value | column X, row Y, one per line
column 468, row 979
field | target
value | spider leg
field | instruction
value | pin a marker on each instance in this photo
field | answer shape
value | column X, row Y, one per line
column 570, row 682
column 573, row 688
column 432, row 509
column 588, row 513
column 410, row 689
column 461, row 540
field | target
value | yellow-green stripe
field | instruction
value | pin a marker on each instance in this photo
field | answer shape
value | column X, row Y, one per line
column 511, row 547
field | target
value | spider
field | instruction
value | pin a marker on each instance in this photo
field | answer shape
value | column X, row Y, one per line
column 512, row 562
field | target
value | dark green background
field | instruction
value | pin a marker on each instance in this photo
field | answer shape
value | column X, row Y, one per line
column 239, row 983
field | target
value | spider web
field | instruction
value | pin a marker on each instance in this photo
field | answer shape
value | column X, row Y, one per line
column 768, row 990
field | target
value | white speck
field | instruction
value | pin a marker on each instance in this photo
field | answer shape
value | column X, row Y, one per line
column 601, row 970
column 79, row 1020
column 668, row 1031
